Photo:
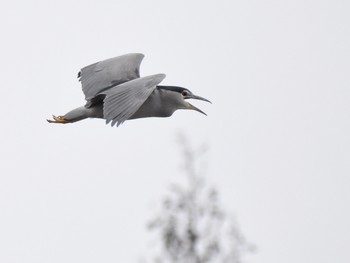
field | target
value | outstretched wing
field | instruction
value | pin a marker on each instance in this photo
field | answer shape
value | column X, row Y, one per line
column 105, row 74
column 122, row 101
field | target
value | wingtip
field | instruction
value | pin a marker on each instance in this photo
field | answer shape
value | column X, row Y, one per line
column 160, row 77
column 140, row 55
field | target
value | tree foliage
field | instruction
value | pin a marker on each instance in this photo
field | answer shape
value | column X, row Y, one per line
column 192, row 226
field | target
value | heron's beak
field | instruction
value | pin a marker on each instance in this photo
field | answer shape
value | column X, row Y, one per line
column 195, row 97
column 191, row 107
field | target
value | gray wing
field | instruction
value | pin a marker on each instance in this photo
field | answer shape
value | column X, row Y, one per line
column 105, row 74
column 122, row 101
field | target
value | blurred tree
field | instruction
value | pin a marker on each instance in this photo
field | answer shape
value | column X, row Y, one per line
column 193, row 228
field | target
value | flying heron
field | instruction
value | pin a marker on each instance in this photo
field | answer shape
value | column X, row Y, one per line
column 114, row 91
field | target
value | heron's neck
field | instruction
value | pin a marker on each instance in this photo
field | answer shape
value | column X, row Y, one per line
column 161, row 103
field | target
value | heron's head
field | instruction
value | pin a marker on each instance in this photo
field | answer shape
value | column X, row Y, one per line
column 181, row 95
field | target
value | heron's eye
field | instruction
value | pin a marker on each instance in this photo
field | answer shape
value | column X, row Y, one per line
column 184, row 93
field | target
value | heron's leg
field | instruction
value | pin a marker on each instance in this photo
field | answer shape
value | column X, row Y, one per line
column 58, row 119
column 77, row 114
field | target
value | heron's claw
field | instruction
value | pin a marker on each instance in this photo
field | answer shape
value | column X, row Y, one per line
column 58, row 119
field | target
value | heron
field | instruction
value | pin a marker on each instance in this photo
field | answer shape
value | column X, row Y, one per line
column 114, row 91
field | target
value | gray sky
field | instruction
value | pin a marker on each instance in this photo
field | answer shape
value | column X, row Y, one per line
column 277, row 73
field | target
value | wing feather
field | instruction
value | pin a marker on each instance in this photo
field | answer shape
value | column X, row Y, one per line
column 122, row 101
column 105, row 74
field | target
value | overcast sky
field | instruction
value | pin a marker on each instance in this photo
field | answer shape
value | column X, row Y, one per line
column 278, row 130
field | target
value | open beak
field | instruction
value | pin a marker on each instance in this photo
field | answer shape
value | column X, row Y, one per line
column 191, row 107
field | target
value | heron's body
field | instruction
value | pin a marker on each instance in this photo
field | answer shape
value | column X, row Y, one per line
column 115, row 92
column 159, row 104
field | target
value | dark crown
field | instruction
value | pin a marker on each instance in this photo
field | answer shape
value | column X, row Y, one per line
column 173, row 88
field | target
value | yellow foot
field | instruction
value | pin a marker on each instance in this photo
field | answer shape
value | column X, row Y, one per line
column 58, row 119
